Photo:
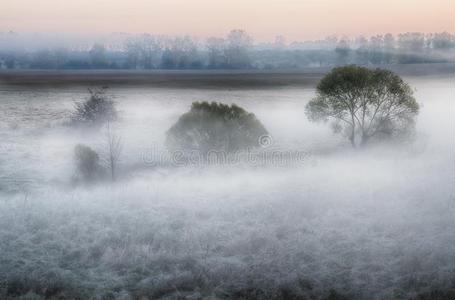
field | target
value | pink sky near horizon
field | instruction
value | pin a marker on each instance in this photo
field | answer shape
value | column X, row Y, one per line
column 264, row 19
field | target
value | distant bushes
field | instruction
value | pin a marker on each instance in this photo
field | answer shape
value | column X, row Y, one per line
column 215, row 126
column 96, row 110
column 237, row 50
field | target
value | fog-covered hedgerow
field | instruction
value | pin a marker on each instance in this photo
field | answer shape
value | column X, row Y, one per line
column 237, row 50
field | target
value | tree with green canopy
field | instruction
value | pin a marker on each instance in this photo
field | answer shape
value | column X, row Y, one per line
column 364, row 104
column 215, row 126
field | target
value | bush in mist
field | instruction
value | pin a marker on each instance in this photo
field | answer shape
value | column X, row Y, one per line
column 88, row 166
column 215, row 126
column 364, row 104
column 96, row 110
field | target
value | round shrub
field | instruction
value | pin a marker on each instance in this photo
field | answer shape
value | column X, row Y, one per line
column 88, row 167
column 215, row 127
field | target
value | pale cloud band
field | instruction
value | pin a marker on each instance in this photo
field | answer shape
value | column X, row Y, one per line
column 297, row 19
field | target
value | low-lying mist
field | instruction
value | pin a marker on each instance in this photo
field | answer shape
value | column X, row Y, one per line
column 372, row 223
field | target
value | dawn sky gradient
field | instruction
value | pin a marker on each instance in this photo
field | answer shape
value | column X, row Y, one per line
column 264, row 19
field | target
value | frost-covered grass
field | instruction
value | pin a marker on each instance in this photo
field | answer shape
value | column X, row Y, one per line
column 314, row 232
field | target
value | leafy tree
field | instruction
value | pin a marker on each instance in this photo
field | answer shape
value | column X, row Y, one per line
column 96, row 110
column 364, row 103
column 215, row 126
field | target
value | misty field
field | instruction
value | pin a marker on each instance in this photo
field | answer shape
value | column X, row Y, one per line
column 339, row 223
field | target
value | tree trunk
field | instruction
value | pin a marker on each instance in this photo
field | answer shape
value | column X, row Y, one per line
column 364, row 140
column 352, row 139
column 112, row 163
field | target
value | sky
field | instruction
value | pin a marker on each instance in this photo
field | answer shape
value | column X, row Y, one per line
column 263, row 19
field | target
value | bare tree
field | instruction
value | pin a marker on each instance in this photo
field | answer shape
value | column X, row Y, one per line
column 96, row 110
column 114, row 151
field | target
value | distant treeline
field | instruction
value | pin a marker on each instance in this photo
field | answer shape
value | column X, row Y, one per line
column 235, row 51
